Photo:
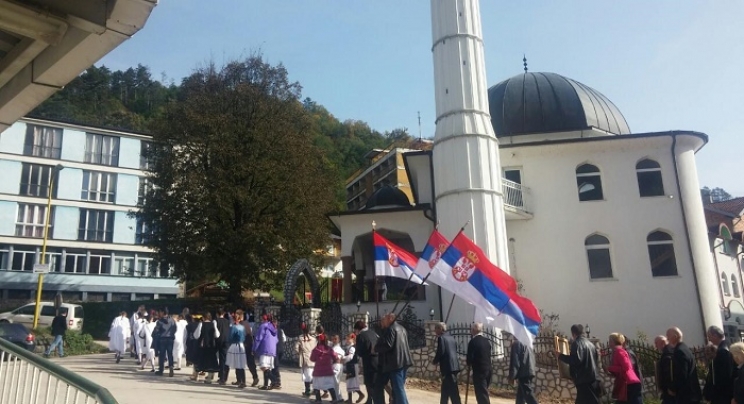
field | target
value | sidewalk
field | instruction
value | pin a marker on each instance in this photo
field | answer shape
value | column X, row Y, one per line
column 129, row 385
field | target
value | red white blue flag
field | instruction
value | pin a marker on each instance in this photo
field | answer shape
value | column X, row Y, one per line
column 391, row 260
column 433, row 251
column 466, row 271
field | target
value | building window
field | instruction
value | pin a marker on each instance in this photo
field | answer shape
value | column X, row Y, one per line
column 725, row 284
column 96, row 225
column 99, row 264
column 99, row 187
column 589, row 183
column 121, row 297
column 4, row 257
column 145, row 158
column 142, row 233
column 661, row 254
column 35, row 180
column 75, row 262
column 23, row 258
column 726, row 240
column 101, row 149
column 43, row 141
column 145, row 267
column 598, row 253
column 123, row 266
column 735, row 286
column 649, row 178
column 31, row 219
column 144, row 188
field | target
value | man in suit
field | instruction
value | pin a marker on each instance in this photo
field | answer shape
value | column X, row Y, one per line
column 719, row 387
column 223, row 343
column 449, row 364
column 685, row 385
column 522, row 369
column 479, row 359
column 664, row 369
column 365, row 342
column 582, row 362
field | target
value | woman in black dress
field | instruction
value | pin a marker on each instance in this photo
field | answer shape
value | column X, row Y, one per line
column 207, row 335
column 192, row 344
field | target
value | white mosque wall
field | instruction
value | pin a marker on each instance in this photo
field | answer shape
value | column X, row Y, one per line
column 550, row 259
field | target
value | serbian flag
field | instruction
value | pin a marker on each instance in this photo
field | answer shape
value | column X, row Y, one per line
column 433, row 251
column 466, row 271
column 391, row 260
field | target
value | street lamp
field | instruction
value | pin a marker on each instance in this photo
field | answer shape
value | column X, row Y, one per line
column 271, row 300
column 359, row 305
column 431, row 314
column 40, row 282
column 588, row 331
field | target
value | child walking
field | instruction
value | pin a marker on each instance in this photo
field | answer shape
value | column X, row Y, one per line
column 304, row 348
column 323, row 378
column 351, row 369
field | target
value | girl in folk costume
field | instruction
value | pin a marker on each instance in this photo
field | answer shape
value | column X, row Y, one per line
column 323, row 377
column 338, row 367
column 351, row 369
column 179, row 341
column 147, row 348
column 207, row 335
column 192, row 344
column 118, row 334
column 265, row 347
column 304, row 348
column 236, row 352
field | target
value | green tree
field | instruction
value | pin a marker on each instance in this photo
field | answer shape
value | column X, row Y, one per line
column 240, row 190
column 715, row 195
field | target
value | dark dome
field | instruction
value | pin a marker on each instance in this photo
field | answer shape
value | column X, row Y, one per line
column 548, row 102
column 387, row 196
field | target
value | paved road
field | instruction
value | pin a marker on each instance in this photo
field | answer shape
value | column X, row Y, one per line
column 129, row 385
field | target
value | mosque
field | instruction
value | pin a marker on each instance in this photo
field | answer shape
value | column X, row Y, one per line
column 604, row 226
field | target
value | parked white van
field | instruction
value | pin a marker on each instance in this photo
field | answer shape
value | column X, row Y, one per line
column 25, row 315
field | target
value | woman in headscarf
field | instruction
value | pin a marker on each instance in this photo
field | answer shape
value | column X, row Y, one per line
column 323, row 378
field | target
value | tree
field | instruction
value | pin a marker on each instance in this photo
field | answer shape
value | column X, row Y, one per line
column 715, row 195
column 239, row 189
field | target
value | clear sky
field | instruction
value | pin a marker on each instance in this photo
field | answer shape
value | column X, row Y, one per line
column 667, row 64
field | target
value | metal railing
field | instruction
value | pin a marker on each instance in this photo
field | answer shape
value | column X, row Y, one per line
column 514, row 194
column 26, row 378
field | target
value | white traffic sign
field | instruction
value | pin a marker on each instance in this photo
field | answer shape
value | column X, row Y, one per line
column 41, row 268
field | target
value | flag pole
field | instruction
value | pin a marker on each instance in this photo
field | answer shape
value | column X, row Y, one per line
column 376, row 278
column 452, row 303
column 408, row 301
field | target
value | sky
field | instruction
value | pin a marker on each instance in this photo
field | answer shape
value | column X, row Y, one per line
column 666, row 64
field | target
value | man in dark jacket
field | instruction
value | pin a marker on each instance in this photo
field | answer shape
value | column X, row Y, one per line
column 59, row 328
column 685, row 386
column 394, row 357
column 719, row 387
column 664, row 369
column 165, row 329
column 449, row 364
column 479, row 359
column 365, row 344
column 522, row 369
column 222, row 324
column 582, row 362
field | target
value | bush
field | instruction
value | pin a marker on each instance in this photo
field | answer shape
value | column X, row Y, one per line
column 75, row 342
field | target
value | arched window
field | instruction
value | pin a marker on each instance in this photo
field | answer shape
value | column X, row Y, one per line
column 649, row 178
column 589, row 183
column 726, row 238
column 735, row 286
column 598, row 254
column 725, row 285
column 661, row 254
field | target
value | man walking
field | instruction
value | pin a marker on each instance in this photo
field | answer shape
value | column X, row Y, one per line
column 449, row 364
column 664, row 369
column 685, row 387
column 719, row 386
column 165, row 329
column 522, row 369
column 582, row 362
column 364, row 349
column 479, row 360
column 223, row 344
column 59, row 328
column 394, row 357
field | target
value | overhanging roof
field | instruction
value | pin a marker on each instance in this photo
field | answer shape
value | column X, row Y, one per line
column 44, row 44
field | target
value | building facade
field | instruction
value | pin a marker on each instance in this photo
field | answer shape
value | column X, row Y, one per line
column 94, row 247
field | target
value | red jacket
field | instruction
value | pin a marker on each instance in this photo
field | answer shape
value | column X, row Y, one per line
column 324, row 358
column 622, row 369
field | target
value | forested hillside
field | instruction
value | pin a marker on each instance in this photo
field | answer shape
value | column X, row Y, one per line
column 130, row 100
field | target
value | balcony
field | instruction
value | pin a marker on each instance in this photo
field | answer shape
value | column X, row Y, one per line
column 516, row 198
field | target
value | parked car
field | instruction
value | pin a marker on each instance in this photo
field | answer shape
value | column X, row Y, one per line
column 19, row 335
column 25, row 315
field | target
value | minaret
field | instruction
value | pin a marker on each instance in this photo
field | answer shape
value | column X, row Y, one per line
column 467, row 171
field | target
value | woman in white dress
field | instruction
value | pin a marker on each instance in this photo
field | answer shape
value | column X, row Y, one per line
column 179, row 343
column 139, row 337
column 147, row 348
column 118, row 334
column 351, row 369
column 338, row 367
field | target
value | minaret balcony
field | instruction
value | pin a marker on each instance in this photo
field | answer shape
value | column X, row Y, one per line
column 516, row 198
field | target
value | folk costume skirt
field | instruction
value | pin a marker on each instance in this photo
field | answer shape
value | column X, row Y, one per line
column 236, row 358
